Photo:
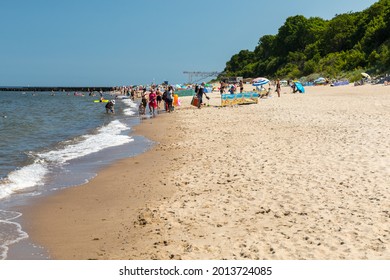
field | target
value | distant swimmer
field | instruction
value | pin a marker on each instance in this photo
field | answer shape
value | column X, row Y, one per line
column 110, row 106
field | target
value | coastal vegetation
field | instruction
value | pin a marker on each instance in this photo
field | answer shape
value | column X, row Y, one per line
column 341, row 47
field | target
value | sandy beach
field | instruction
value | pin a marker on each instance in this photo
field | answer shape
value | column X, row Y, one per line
column 304, row 176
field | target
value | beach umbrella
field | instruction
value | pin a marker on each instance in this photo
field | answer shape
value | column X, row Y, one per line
column 320, row 80
column 260, row 82
column 259, row 79
column 365, row 75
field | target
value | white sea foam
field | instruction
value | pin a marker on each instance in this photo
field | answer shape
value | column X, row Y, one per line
column 33, row 175
column 23, row 178
column 107, row 136
column 129, row 111
column 10, row 232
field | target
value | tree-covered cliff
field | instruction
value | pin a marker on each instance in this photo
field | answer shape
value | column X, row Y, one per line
column 303, row 46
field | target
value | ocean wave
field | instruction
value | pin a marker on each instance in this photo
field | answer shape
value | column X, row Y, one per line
column 32, row 175
column 131, row 105
column 107, row 136
column 23, row 178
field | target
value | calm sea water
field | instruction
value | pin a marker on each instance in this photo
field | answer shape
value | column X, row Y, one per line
column 50, row 141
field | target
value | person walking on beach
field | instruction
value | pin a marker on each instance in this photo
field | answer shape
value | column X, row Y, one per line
column 132, row 94
column 241, row 86
column 200, row 93
column 152, row 102
column 278, row 87
column 222, row 88
column 164, row 98
column 143, row 99
column 159, row 98
column 169, row 99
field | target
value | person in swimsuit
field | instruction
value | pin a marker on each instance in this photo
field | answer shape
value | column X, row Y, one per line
column 159, row 97
column 110, row 106
column 241, row 86
column 152, row 102
column 278, row 87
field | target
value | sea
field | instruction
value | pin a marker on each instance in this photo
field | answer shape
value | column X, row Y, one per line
column 55, row 140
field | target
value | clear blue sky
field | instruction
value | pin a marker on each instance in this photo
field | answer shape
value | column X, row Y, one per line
column 122, row 42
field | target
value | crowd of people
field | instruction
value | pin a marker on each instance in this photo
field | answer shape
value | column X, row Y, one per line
column 226, row 88
column 155, row 98
column 161, row 97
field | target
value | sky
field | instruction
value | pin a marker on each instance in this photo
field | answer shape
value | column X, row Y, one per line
column 128, row 42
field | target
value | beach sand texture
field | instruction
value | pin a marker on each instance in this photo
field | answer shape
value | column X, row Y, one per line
column 304, row 176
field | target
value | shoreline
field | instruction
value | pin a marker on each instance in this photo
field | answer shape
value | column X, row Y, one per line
column 69, row 161
column 68, row 201
column 300, row 177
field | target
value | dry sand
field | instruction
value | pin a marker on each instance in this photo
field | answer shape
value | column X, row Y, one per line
column 304, row 176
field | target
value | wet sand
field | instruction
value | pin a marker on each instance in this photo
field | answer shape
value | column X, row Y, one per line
column 304, row 176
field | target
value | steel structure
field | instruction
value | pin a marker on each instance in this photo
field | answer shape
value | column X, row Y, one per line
column 203, row 75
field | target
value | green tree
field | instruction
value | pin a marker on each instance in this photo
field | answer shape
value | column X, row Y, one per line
column 384, row 56
column 291, row 36
column 332, row 64
column 239, row 61
column 290, row 71
column 265, row 47
column 375, row 25
column 303, row 46
column 309, row 67
column 340, row 33
column 354, row 59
